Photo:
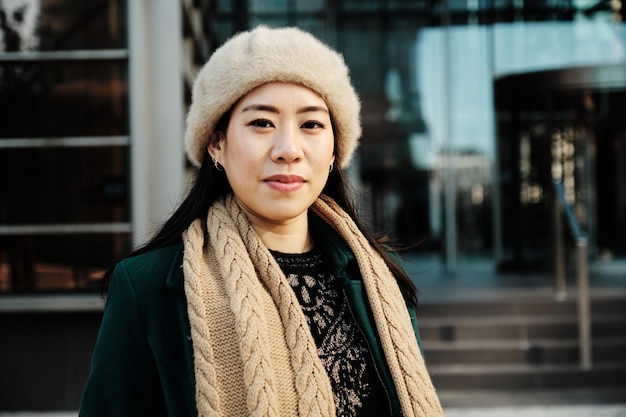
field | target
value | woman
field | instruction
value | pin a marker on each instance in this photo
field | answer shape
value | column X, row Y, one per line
column 263, row 294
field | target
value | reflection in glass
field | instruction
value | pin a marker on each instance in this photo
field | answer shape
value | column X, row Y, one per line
column 48, row 99
column 64, row 169
column 57, row 263
column 61, row 25
column 360, row 5
column 64, row 185
column 310, row 5
column 265, row 6
column 18, row 25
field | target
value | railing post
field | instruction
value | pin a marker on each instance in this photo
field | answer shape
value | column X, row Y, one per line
column 559, row 255
column 584, row 304
column 584, row 298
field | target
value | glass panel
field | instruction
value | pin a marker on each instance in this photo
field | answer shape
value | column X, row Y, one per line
column 223, row 31
column 271, row 20
column 315, row 26
column 50, row 99
column 609, row 142
column 53, row 263
column 409, row 5
column 534, row 173
column 62, row 25
column 224, row 6
column 267, row 6
column 394, row 161
column 310, row 5
column 64, row 185
column 523, row 47
column 360, row 40
column 460, row 5
column 360, row 5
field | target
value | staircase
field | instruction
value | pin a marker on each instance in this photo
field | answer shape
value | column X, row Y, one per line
column 525, row 344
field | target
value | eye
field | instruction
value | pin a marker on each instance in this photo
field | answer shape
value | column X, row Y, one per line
column 313, row 124
column 261, row 123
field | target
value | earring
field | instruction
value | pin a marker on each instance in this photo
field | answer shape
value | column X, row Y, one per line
column 332, row 165
column 217, row 165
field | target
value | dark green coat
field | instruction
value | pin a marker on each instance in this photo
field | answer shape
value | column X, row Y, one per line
column 143, row 359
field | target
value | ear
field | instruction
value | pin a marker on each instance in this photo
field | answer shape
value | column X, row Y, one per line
column 215, row 146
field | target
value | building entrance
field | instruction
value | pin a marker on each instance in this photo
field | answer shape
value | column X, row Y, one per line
column 565, row 126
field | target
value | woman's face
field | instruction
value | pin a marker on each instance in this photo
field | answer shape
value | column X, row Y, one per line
column 277, row 151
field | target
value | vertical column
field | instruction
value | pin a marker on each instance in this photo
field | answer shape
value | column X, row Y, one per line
column 449, row 182
column 156, row 112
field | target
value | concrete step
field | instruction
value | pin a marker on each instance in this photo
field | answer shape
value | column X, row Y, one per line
column 525, row 376
column 539, row 351
column 527, row 328
column 519, row 399
column 526, row 343
column 540, row 305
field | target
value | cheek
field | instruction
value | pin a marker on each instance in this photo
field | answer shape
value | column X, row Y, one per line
column 325, row 153
column 236, row 152
column 242, row 165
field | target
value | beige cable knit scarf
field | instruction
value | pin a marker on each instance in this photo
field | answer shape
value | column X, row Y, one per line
column 253, row 351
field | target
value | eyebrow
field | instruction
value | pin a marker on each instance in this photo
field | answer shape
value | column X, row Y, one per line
column 272, row 109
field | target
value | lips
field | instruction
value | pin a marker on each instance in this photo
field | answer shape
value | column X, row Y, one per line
column 285, row 182
column 286, row 179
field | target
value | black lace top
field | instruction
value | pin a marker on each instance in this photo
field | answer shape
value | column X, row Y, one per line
column 341, row 345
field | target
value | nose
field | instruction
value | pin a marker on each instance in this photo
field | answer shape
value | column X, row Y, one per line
column 287, row 145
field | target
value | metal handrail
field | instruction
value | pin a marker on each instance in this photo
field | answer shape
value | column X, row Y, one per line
column 574, row 226
column 584, row 303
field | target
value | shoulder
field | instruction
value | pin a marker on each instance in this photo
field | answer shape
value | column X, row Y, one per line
column 154, row 259
column 161, row 266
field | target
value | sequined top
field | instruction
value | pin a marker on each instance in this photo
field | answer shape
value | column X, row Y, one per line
column 341, row 346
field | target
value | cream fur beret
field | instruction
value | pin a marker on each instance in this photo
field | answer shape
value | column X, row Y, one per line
column 263, row 55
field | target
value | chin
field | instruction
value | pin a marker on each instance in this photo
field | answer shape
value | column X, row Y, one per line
column 283, row 211
column 285, row 215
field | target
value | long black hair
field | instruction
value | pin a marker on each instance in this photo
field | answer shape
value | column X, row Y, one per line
column 211, row 184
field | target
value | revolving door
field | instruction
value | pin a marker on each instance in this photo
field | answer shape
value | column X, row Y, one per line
column 565, row 125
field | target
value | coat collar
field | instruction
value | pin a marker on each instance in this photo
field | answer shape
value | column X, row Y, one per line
column 174, row 278
column 334, row 246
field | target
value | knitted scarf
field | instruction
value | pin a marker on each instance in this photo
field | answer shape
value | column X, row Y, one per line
column 253, row 351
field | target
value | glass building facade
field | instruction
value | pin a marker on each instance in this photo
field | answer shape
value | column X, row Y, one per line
column 92, row 102
column 456, row 158
column 463, row 105
column 64, row 140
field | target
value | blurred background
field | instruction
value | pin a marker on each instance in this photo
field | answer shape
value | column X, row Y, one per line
column 494, row 149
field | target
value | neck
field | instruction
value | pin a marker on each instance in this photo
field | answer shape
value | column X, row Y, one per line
column 289, row 237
